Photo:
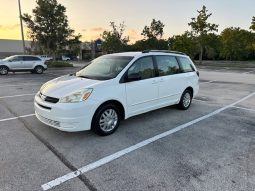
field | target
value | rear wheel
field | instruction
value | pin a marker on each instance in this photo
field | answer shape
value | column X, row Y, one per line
column 4, row 70
column 106, row 120
column 186, row 100
column 38, row 69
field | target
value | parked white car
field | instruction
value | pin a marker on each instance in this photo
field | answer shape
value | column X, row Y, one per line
column 45, row 57
column 115, row 87
column 65, row 58
column 20, row 63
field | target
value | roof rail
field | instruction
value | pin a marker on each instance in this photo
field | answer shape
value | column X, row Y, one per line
column 164, row 51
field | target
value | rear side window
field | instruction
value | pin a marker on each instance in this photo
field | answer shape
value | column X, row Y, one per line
column 167, row 65
column 144, row 67
column 186, row 64
column 31, row 58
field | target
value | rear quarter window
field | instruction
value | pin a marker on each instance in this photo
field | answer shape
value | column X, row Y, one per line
column 186, row 64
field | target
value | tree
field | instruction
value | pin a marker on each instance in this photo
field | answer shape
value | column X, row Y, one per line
column 154, row 31
column 252, row 27
column 152, row 37
column 149, row 44
column 237, row 44
column 49, row 27
column 114, row 40
column 200, row 27
column 184, row 43
column 212, row 46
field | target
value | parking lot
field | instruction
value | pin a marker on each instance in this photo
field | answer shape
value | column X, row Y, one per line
column 211, row 146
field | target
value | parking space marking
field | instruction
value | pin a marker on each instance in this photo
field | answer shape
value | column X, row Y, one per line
column 12, row 118
column 130, row 149
column 19, row 85
column 52, row 74
column 207, row 82
column 21, row 95
column 249, row 72
column 199, row 100
column 243, row 108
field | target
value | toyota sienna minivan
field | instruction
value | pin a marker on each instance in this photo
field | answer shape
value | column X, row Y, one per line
column 116, row 87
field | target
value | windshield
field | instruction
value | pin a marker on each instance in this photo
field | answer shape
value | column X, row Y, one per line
column 104, row 67
column 8, row 58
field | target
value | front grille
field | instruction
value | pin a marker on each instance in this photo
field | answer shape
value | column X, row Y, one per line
column 48, row 99
column 49, row 121
column 51, row 99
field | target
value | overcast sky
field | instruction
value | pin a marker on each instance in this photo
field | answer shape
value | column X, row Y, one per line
column 91, row 17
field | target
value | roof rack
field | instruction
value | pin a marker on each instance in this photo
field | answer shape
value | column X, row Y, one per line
column 163, row 51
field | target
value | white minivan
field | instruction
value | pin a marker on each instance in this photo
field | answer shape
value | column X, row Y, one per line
column 115, row 87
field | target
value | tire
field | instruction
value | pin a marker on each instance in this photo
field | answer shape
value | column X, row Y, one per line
column 186, row 100
column 38, row 69
column 104, row 125
column 4, row 70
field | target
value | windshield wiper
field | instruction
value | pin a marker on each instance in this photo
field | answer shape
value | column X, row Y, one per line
column 83, row 77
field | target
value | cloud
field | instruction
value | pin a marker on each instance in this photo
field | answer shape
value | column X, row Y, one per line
column 89, row 37
column 97, row 29
column 9, row 27
column 133, row 35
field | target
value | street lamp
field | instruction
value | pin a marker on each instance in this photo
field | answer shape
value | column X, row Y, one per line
column 21, row 26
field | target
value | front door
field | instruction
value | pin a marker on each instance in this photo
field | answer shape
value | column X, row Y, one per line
column 16, row 63
column 142, row 93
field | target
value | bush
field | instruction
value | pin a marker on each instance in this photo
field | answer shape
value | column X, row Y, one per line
column 58, row 64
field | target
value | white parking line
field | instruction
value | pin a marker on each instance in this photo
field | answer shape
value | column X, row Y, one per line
column 53, row 74
column 123, row 152
column 243, row 108
column 207, row 82
column 19, row 85
column 12, row 118
column 199, row 100
column 16, row 96
column 249, row 72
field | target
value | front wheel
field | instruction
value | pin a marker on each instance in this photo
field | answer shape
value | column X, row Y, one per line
column 186, row 100
column 39, row 69
column 106, row 120
column 3, row 70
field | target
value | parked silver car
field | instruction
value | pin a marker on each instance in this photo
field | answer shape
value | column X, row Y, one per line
column 19, row 63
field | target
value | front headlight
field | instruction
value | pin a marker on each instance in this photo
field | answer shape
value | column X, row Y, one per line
column 77, row 96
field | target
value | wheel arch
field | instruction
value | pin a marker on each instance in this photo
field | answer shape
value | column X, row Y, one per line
column 190, row 89
column 114, row 102
column 5, row 66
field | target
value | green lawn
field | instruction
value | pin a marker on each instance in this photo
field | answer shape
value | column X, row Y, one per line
column 58, row 64
column 227, row 64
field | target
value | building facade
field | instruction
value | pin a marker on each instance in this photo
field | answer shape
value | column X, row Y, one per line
column 12, row 47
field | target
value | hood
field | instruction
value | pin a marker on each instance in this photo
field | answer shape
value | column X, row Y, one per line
column 64, row 85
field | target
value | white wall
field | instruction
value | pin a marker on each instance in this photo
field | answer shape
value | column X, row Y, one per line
column 12, row 46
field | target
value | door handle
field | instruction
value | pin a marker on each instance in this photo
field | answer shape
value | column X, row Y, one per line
column 161, row 80
column 154, row 81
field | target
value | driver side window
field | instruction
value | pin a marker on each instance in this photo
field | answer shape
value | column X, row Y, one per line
column 143, row 67
column 17, row 59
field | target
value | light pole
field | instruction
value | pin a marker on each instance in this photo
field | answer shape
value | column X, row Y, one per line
column 21, row 26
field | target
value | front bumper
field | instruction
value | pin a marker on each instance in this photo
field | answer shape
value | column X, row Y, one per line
column 70, row 117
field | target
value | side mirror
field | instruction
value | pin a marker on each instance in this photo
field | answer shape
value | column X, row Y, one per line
column 9, row 60
column 134, row 77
